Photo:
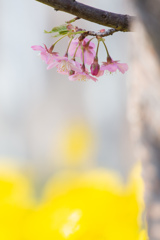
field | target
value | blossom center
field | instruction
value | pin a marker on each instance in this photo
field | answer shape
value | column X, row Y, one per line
column 64, row 66
column 82, row 78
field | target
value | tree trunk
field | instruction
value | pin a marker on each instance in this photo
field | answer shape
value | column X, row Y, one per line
column 144, row 106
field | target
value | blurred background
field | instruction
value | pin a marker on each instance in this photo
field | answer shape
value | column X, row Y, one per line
column 62, row 142
column 42, row 114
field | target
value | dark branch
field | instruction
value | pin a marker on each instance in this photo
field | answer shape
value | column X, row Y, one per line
column 117, row 21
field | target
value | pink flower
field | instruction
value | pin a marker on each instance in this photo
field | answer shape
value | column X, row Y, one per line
column 65, row 65
column 46, row 54
column 100, row 73
column 112, row 66
column 95, row 67
column 88, row 47
column 82, row 76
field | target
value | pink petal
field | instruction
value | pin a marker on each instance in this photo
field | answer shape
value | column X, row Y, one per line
column 44, row 56
column 100, row 73
column 94, row 79
column 88, row 57
column 38, row 48
column 73, row 46
column 74, row 77
column 63, row 73
column 92, row 45
column 59, row 59
column 122, row 67
column 85, row 40
column 51, row 65
column 110, row 67
column 79, row 76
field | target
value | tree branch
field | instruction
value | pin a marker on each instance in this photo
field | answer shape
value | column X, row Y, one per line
column 117, row 21
column 101, row 34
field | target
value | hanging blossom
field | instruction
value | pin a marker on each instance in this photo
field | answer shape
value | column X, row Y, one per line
column 88, row 48
column 95, row 68
column 82, row 75
column 65, row 65
column 112, row 66
column 83, row 48
column 46, row 54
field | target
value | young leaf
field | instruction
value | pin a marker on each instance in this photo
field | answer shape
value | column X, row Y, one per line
column 61, row 33
column 60, row 28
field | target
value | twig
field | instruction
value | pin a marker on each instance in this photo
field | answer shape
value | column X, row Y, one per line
column 117, row 21
column 97, row 34
column 103, row 34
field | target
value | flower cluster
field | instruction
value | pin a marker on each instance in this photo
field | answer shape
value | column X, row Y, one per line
column 84, row 49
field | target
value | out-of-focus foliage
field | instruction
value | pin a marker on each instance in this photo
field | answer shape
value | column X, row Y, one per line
column 95, row 204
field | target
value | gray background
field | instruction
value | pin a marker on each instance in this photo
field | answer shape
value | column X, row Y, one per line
column 36, row 104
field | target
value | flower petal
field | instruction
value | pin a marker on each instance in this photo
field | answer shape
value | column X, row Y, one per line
column 122, row 67
column 38, row 48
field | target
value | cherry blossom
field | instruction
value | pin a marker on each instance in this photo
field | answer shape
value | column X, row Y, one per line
column 82, row 76
column 65, row 65
column 83, row 48
column 46, row 54
column 112, row 66
column 88, row 48
column 100, row 73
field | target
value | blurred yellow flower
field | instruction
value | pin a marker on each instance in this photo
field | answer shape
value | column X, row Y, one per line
column 92, row 205
column 75, row 146
column 135, row 181
column 143, row 235
column 135, row 184
column 95, row 204
column 15, row 202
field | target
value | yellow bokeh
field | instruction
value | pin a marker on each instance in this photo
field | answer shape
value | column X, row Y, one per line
column 135, row 184
column 92, row 205
column 143, row 235
column 75, row 145
column 16, row 202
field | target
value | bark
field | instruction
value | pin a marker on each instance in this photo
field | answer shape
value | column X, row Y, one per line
column 144, row 106
column 149, row 13
column 118, row 21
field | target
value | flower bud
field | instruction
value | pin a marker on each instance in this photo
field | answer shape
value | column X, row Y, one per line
column 71, row 72
column 95, row 67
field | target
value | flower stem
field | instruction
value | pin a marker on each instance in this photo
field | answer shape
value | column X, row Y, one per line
column 60, row 39
column 108, row 56
column 90, row 40
column 75, row 52
column 97, row 49
column 68, row 46
column 83, row 65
